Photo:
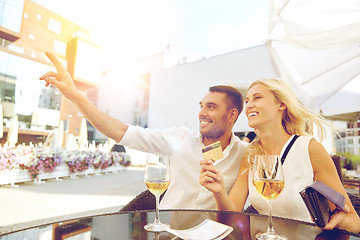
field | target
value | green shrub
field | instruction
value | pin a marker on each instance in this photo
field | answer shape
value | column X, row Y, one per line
column 351, row 161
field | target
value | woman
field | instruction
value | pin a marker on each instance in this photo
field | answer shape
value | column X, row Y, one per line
column 275, row 113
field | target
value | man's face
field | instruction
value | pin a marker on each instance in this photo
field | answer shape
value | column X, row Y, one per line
column 213, row 115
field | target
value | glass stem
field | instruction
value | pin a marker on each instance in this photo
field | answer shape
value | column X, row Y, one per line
column 157, row 219
column 270, row 227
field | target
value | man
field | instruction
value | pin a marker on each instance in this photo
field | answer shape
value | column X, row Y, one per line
column 249, row 137
column 219, row 110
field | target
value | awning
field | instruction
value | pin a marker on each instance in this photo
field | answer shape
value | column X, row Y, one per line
column 315, row 46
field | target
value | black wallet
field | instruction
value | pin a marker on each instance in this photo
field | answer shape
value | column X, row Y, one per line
column 316, row 198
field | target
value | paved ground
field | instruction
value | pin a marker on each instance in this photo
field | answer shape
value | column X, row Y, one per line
column 31, row 204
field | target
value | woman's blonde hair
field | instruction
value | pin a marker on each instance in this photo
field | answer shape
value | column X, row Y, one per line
column 296, row 120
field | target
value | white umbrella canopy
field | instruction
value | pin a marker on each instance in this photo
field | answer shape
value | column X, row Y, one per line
column 1, row 122
column 12, row 137
column 83, row 136
column 314, row 45
column 55, row 138
column 61, row 134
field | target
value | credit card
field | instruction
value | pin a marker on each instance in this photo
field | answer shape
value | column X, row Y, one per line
column 213, row 151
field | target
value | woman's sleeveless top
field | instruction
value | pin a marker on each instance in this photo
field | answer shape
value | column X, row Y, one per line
column 298, row 173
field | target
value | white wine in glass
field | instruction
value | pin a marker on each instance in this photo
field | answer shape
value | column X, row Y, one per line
column 157, row 180
column 268, row 179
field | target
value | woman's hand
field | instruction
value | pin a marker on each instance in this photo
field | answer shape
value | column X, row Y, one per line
column 336, row 218
column 210, row 177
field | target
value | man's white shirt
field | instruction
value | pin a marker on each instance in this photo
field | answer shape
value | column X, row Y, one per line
column 183, row 146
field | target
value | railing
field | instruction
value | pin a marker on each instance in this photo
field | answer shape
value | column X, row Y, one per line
column 352, row 182
column 11, row 177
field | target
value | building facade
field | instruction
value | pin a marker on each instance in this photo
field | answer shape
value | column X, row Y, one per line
column 27, row 31
column 349, row 139
column 170, row 96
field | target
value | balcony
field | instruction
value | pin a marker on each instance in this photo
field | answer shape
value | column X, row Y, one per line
column 8, row 34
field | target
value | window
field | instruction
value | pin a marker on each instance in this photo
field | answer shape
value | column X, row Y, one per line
column 17, row 49
column 350, row 145
column 49, row 98
column 5, row 43
column 60, row 47
column 8, row 92
column 21, row 92
column 11, row 14
column 54, row 26
column 86, row 65
column 15, row 68
column 32, row 37
column 38, row 16
column 81, row 35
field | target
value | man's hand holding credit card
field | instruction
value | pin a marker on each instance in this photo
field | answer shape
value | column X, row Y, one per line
column 213, row 151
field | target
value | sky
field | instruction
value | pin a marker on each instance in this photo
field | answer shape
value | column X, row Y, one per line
column 191, row 28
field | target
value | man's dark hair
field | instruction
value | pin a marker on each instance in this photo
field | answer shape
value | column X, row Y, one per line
column 234, row 98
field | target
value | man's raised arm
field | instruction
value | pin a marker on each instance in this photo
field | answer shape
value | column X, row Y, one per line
column 103, row 122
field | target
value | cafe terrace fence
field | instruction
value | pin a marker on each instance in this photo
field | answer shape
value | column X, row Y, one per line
column 24, row 164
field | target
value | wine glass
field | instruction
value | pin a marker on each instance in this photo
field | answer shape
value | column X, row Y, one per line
column 157, row 180
column 268, row 179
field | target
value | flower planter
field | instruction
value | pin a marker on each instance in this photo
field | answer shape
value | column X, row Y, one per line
column 87, row 172
column 59, row 172
column 23, row 176
column 27, row 161
column 8, row 176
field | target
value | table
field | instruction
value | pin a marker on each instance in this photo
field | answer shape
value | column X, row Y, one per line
column 129, row 225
